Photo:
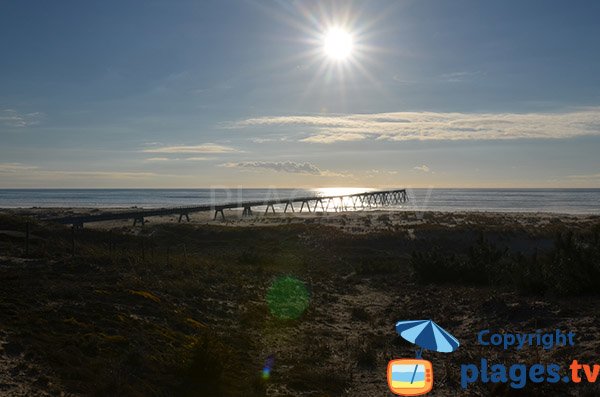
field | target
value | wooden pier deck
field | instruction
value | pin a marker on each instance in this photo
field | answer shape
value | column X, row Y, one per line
column 355, row 201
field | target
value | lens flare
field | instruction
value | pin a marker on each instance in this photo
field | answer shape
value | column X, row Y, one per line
column 266, row 372
column 287, row 298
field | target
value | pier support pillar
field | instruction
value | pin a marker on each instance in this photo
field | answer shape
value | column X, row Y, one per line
column 291, row 205
column 317, row 202
column 217, row 211
column 307, row 206
column 247, row 212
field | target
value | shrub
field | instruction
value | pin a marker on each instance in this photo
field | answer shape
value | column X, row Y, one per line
column 482, row 265
column 572, row 267
column 216, row 370
column 379, row 265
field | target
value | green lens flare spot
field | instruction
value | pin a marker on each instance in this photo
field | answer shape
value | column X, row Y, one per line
column 287, row 298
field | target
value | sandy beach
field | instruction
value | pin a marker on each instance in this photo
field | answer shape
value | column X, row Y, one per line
column 171, row 308
column 365, row 221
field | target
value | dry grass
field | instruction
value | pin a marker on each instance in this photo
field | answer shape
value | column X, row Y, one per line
column 181, row 309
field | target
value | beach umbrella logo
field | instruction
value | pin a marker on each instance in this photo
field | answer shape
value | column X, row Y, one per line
column 414, row 377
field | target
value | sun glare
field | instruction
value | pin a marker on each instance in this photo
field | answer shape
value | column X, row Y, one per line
column 338, row 44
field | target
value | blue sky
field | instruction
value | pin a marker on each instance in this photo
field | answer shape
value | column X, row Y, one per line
column 240, row 93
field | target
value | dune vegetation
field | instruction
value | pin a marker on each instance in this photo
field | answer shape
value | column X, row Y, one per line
column 198, row 310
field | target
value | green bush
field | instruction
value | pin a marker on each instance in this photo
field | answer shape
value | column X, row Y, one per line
column 572, row 267
column 484, row 264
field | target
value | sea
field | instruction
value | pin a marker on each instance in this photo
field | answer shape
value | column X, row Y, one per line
column 565, row 201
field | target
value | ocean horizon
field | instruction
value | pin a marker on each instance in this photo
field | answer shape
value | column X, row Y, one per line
column 567, row 201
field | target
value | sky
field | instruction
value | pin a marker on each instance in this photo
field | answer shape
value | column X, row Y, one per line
column 234, row 93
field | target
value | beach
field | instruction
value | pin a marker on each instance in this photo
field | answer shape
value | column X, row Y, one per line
column 184, row 308
column 358, row 221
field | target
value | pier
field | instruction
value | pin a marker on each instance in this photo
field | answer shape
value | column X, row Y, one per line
column 337, row 203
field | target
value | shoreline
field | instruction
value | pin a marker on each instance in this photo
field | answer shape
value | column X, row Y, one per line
column 90, row 210
column 353, row 222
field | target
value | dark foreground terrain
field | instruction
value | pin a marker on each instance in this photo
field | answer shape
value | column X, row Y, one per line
column 199, row 310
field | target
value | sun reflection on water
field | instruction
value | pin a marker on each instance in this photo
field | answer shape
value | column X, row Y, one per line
column 341, row 197
column 340, row 191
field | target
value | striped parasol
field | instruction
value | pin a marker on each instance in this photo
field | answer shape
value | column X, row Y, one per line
column 427, row 335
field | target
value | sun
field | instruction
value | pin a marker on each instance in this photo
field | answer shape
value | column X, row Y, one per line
column 337, row 44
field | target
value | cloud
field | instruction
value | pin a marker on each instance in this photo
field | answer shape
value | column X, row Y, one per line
column 336, row 174
column 158, row 159
column 405, row 126
column 330, row 138
column 422, row 168
column 24, row 171
column 285, row 166
column 459, row 77
column 268, row 139
column 399, row 79
column 208, row 148
column 6, row 168
column 99, row 174
column 584, row 177
column 165, row 159
column 375, row 172
column 197, row 159
column 452, row 77
column 12, row 118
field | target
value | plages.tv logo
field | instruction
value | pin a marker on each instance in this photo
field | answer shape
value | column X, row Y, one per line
column 414, row 377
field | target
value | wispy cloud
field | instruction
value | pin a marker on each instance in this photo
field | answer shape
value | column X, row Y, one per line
column 375, row 172
column 290, row 167
column 422, row 168
column 451, row 77
column 12, row 118
column 331, row 138
column 99, row 174
column 197, row 158
column 157, row 159
column 584, row 177
column 6, row 168
column 403, row 126
column 283, row 166
column 21, row 170
column 165, row 159
column 268, row 139
column 204, row 148
column 459, row 77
